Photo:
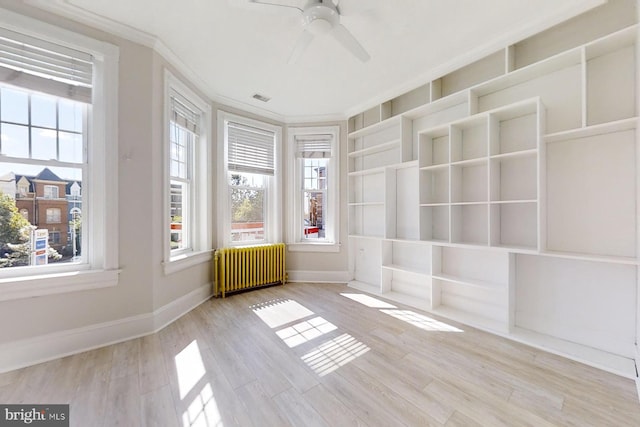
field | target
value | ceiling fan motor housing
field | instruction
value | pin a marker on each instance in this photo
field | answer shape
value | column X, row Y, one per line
column 320, row 18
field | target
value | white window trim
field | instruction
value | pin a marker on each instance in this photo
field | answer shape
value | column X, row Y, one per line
column 200, row 238
column 101, row 267
column 294, row 242
column 273, row 214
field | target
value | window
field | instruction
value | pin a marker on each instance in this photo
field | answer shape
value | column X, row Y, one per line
column 58, row 122
column 24, row 213
column 53, row 216
column 313, row 189
column 54, row 237
column 50, row 191
column 250, row 201
column 188, row 207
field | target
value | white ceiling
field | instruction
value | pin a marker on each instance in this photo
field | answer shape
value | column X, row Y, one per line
column 235, row 48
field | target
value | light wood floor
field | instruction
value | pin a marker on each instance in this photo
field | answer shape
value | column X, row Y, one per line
column 307, row 355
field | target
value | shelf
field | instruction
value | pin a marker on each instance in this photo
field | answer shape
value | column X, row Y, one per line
column 589, row 257
column 509, row 202
column 468, row 203
column 472, row 320
column 366, row 237
column 366, row 203
column 435, row 167
column 612, row 42
column 515, row 154
column 490, row 286
column 377, row 127
column 530, row 72
column 438, row 105
column 404, row 165
column 369, row 171
column 524, row 190
column 405, row 269
column 580, row 353
column 386, row 146
column 471, row 162
column 594, row 130
column 420, row 304
column 428, row 205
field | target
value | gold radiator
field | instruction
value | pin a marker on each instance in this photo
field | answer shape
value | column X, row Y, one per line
column 239, row 269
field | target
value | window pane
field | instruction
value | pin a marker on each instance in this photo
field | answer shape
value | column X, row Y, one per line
column 247, row 207
column 14, row 106
column 53, row 214
column 70, row 115
column 247, row 180
column 70, row 147
column 314, row 198
column 178, row 211
column 15, row 140
column 43, row 111
column 43, row 144
column 314, row 215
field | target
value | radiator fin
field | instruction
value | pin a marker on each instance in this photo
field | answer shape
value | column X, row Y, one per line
column 238, row 269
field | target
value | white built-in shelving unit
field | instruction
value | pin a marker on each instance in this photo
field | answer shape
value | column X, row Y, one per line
column 504, row 195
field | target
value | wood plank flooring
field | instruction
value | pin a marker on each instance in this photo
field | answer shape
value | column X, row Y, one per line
column 322, row 355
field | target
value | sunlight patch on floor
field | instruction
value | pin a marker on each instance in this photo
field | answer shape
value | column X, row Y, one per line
column 334, row 353
column 189, row 367
column 279, row 312
column 421, row 321
column 203, row 411
column 368, row 301
column 305, row 331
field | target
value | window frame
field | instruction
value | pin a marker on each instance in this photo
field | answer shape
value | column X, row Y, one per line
column 200, row 219
column 295, row 240
column 273, row 193
column 99, row 267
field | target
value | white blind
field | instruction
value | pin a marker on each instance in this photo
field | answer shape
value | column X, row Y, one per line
column 250, row 149
column 313, row 146
column 184, row 113
column 45, row 66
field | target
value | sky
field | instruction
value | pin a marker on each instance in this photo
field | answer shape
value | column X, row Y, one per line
column 14, row 132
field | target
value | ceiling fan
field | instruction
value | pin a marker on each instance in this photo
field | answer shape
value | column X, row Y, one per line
column 321, row 18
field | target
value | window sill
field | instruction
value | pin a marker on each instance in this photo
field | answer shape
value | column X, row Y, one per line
column 184, row 261
column 56, row 283
column 313, row 247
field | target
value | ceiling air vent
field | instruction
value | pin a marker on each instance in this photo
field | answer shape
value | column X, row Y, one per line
column 261, row 97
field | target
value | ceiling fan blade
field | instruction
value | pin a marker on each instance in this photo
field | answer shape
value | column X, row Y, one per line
column 301, row 45
column 350, row 43
column 295, row 4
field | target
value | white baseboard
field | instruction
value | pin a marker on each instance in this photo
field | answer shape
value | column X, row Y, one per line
column 318, row 276
column 31, row 351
